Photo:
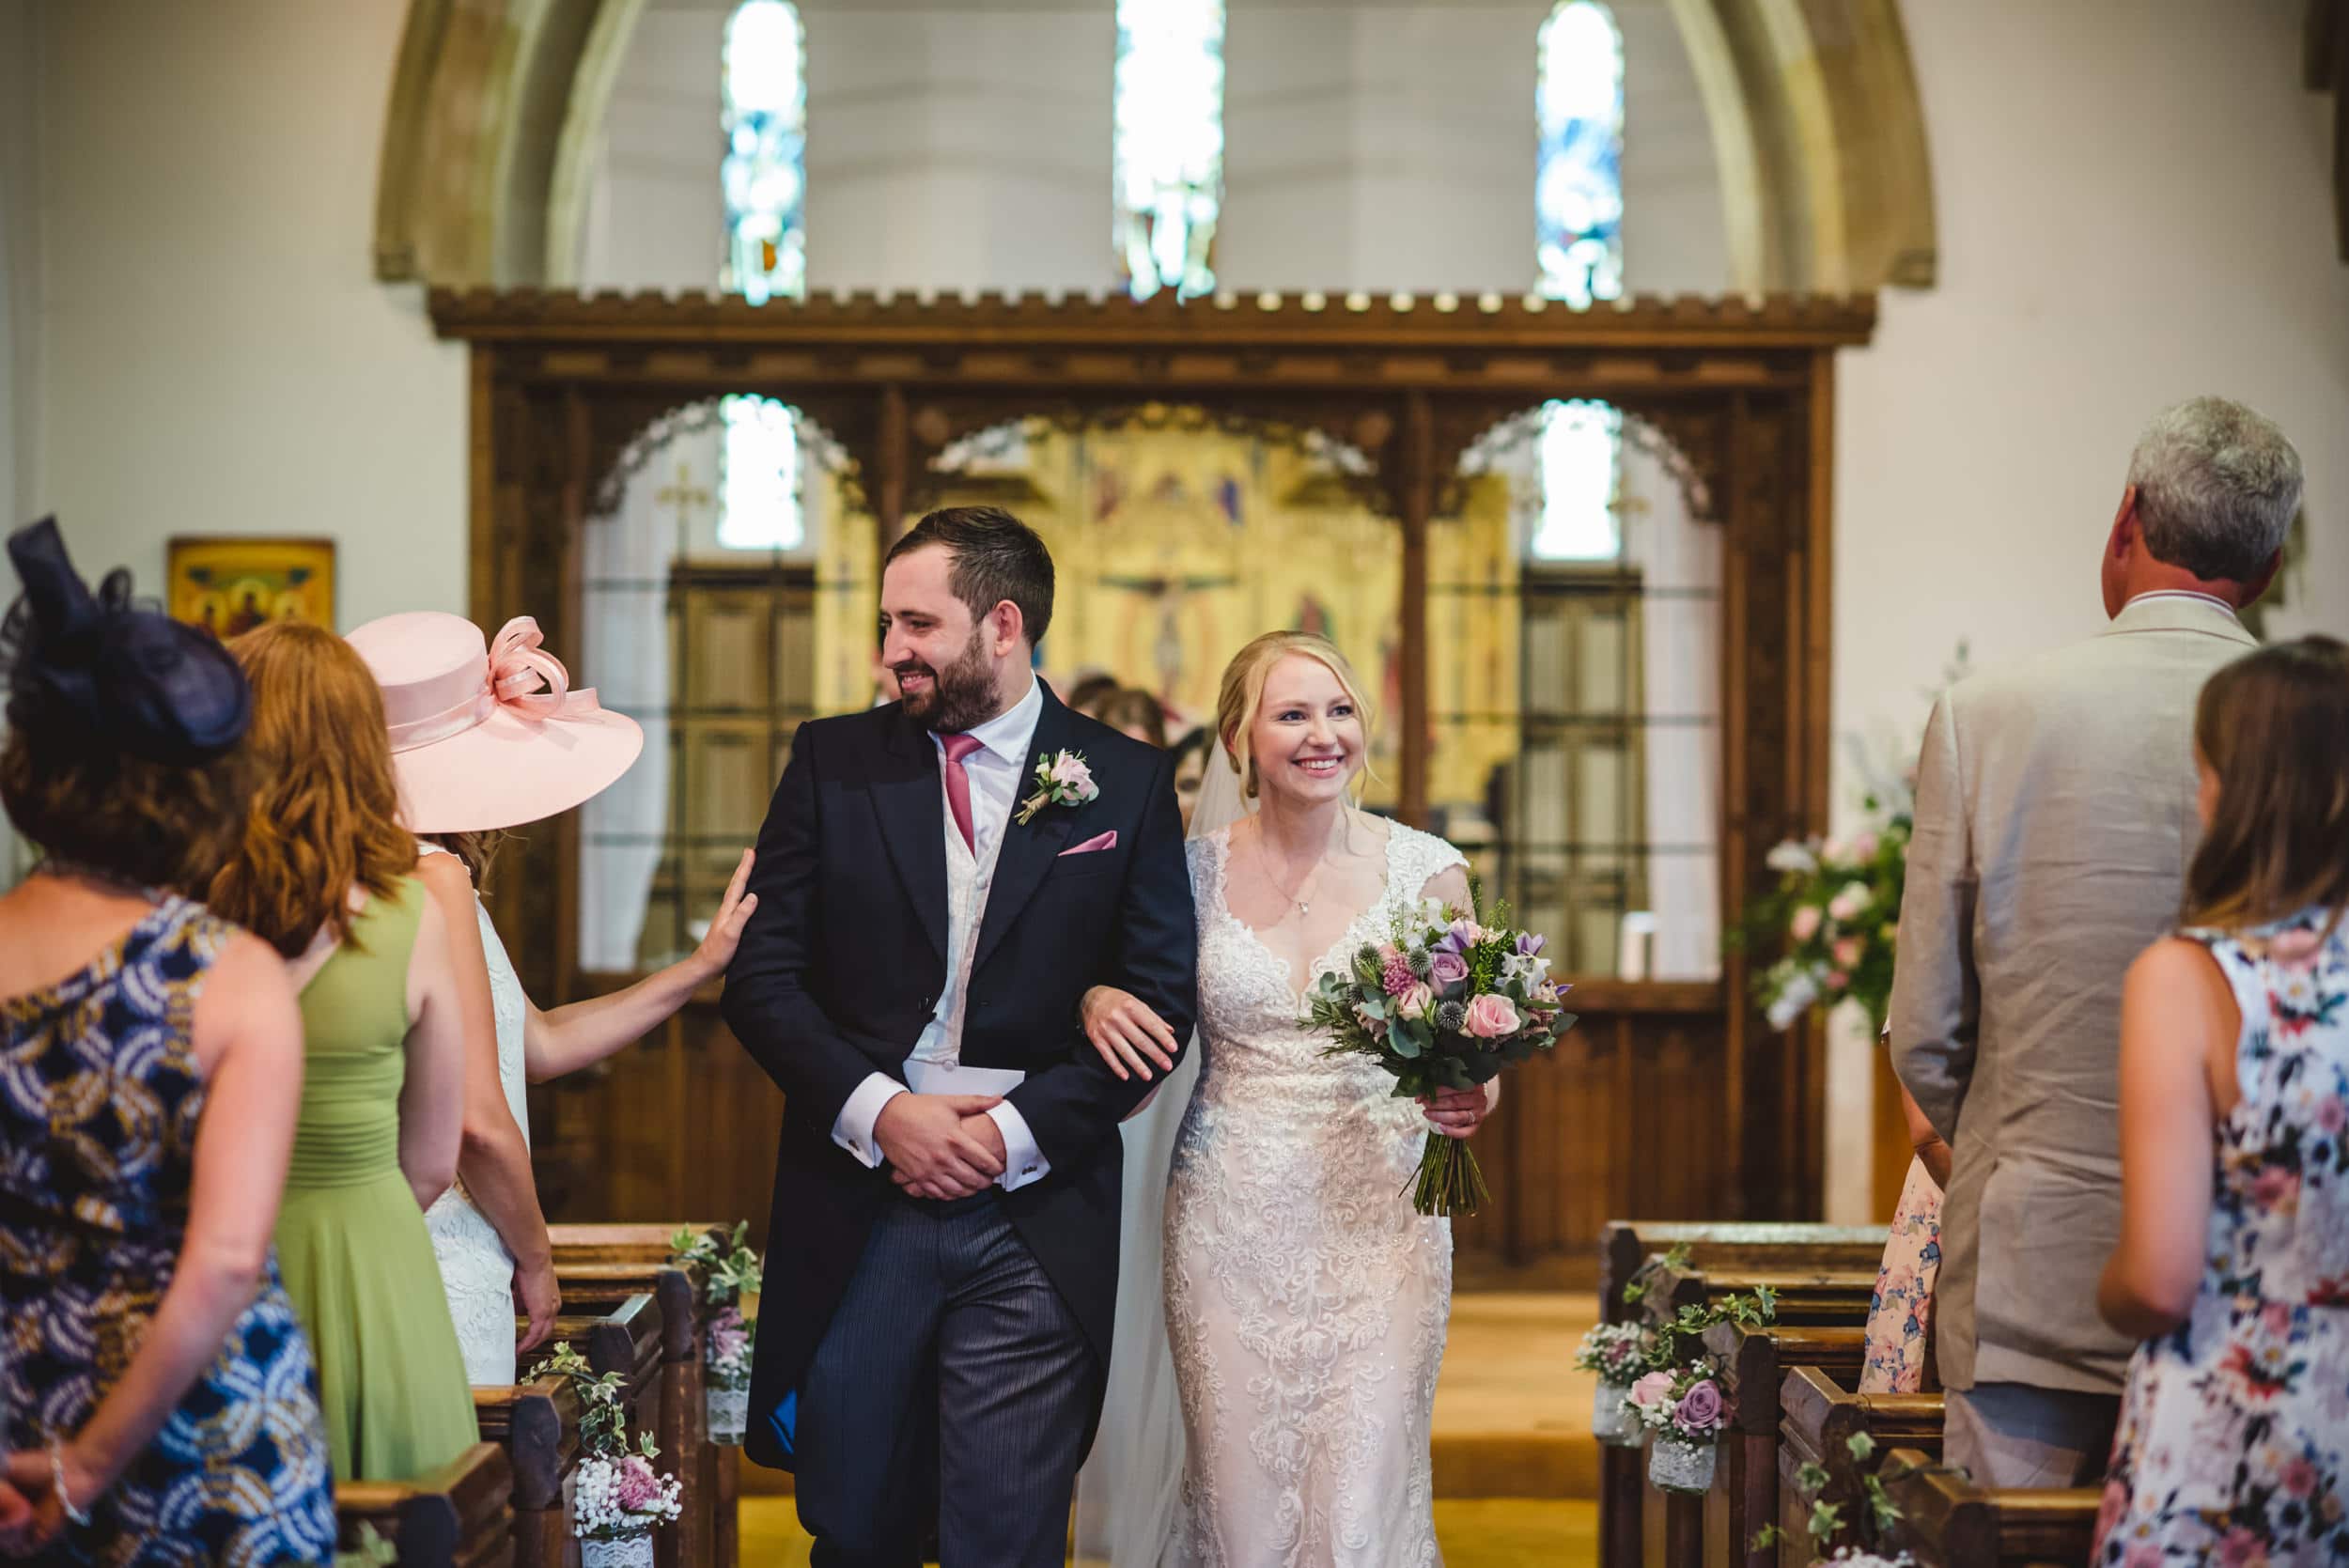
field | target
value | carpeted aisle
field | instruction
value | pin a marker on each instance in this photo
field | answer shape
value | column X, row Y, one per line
column 1516, row 1471
column 1476, row 1532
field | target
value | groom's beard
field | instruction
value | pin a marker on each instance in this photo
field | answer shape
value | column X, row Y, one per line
column 961, row 696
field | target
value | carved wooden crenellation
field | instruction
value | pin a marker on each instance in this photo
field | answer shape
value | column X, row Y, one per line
column 1738, row 391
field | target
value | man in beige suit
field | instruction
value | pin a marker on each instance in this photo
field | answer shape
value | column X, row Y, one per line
column 2055, row 818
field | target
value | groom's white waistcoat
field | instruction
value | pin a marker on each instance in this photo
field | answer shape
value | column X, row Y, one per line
column 995, row 770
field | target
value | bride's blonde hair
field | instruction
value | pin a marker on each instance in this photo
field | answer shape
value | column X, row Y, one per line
column 1242, row 694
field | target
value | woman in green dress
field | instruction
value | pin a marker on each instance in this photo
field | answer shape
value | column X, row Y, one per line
column 324, row 875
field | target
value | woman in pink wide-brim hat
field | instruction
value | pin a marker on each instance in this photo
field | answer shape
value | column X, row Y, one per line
column 487, row 735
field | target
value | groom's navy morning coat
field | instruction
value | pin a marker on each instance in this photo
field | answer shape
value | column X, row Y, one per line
column 842, row 962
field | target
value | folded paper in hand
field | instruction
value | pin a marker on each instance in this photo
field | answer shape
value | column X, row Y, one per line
column 948, row 1077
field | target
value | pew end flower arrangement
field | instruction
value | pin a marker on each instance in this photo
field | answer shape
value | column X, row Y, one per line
column 1681, row 1400
column 618, row 1499
column 1447, row 1000
column 728, row 1274
column 1618, row 1354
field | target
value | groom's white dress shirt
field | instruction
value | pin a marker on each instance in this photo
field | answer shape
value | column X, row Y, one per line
column 995, row 771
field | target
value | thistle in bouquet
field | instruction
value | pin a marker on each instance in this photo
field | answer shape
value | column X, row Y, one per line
column 1447, row 1000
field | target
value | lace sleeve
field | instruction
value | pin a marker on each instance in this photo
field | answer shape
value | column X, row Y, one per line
column 1421, row 858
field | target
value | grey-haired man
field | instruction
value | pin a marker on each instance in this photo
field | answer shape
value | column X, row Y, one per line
column 2055, row 818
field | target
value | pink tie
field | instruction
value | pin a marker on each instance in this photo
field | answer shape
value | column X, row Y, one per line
column 959, row 782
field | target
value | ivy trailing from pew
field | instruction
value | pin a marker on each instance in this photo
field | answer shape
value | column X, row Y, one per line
column 729, row 1275
column 1827, row 1518
column 618, row 1497
column 1643, row 1277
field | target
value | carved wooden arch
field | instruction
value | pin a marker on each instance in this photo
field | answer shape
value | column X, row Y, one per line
column 1744, row 390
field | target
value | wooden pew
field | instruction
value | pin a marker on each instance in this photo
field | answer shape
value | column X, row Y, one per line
column 1757, row 1360
column 456, row 1516
column 1947, row 1522
column 600, row 1266
column 1722, row 1252
column 537, row 1423
column 1818, row 1417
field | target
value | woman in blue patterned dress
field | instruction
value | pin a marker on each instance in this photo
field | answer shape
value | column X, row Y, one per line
column 161, row 1403
column 2234, row 1260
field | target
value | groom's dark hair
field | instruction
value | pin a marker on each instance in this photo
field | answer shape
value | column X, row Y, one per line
column 997, row 557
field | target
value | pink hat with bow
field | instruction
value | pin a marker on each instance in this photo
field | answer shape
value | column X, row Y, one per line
column 487, row 735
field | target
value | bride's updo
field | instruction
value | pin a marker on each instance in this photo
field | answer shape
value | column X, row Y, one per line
column 1243, row 692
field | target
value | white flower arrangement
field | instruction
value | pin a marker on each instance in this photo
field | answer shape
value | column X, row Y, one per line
column 620, row 1496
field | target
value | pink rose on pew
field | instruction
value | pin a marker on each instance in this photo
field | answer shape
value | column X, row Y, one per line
column 1701, row 1409
column 1651, row 1390
column 727, row 1339
column 636, row 1489
column 1805, row 924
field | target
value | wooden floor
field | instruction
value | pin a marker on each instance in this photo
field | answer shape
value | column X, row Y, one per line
column 1516, row 1471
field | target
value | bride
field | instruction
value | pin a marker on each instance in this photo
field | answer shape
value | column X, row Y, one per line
column 1305, row 1302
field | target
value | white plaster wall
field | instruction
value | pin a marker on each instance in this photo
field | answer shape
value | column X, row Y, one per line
column 1376, row 145
column 1387, row 145
column 215, row 355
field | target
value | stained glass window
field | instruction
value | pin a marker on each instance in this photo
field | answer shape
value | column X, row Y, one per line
column 1577, row 180
column 765, row 178
column 1578, row 203
column 1168, row 143
column 765, row 173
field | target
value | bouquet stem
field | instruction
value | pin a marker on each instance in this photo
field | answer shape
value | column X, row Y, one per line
column 1449, row 1179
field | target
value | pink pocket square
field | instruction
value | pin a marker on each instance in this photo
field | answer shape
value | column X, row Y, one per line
column 1102, row 841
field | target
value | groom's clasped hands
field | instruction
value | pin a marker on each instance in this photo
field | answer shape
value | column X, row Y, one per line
column 940, row 1146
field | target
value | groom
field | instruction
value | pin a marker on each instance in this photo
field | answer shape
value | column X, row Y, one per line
column 943, row 1263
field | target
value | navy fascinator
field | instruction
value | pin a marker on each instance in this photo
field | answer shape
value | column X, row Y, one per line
column 122, row 672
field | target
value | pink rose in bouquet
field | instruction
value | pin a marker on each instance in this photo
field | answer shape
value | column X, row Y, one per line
column 1491, row 1016
column 1805, row 924
column 728, row 1339
column 1415, row 1002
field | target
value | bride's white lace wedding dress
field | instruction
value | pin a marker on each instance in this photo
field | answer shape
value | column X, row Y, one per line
column 476, row 1269
column 1306, row 1301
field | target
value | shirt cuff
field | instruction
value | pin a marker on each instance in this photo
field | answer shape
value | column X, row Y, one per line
column 1023, row 1162
column 853, row 1129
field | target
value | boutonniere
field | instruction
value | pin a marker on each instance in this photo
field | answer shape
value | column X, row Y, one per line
column 1062, row 780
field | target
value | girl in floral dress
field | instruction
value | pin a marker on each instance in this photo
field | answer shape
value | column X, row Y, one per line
column 2234, row 1260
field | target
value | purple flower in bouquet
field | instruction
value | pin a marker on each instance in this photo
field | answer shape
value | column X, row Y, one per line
column 1529, row 944
column 636, row 1489
column 1465, row 934
column 1700, row 1409
column 1446, row 969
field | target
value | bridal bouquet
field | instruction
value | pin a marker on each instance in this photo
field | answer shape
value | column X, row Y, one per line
column 1446, row 1001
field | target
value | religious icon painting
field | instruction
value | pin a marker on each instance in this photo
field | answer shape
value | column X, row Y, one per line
column 231, row 586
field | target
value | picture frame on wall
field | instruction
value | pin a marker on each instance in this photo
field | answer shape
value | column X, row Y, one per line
column 229, row 584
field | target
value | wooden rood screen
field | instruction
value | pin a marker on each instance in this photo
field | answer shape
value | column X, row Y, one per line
column 1670, row 1098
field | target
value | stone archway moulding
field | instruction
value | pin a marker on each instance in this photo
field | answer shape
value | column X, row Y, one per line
column 1813, row 105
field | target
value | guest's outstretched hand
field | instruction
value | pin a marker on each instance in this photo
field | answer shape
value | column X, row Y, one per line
column 725, row 927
